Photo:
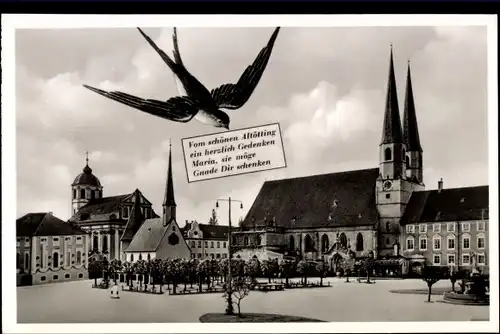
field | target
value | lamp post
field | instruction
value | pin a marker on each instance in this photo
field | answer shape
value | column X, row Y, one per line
column 229, row 309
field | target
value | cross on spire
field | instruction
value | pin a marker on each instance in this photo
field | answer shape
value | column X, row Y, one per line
column 87, row 157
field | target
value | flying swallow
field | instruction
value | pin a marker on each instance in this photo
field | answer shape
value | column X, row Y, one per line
column 196, row 100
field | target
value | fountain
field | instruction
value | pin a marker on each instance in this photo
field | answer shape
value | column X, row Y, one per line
column 473, row 289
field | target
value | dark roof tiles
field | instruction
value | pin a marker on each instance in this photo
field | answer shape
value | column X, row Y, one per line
column 215, row 232
column 44, row 224
column 454, row 204
column 327, row 200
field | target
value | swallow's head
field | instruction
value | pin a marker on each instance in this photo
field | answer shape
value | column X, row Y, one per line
column 222, row 120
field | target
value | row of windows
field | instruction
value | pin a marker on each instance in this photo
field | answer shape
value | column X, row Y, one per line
column 140, row 257
column 212, row 255
column 212, row 244
column 147, row 212
column 466, row 259
column 54, row 259
column 56, row 277
column 55, row 241
column 325, row 242
column 82, row 193
column 450, row 227
column 436, row 242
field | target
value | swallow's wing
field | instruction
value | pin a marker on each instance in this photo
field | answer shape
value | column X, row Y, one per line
column 178, row 108
column 192, row 86
column 177, row 57
column 177, row 54
column 234, row 96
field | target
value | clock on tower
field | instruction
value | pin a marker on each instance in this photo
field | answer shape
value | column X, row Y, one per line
column 387, row 185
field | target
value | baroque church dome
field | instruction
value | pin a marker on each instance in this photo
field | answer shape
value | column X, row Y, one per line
column 87, row 178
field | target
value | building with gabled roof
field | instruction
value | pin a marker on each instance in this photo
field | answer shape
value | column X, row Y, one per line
column 49, row 250
column 332, row 215
column 111, row 221
column 158, row 237
column 206, row 240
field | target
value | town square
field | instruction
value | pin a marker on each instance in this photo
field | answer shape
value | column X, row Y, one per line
column 77, row 302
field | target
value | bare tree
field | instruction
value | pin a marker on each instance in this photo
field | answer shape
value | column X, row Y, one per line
column 241, row 287
column 430, row 275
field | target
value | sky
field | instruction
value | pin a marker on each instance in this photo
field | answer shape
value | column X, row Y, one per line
column 325, row 86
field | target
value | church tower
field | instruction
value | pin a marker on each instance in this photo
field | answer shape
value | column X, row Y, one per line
column 392, row 148
column 393, row 189
column 85, row 188
column 414, row 164
column 169, row 206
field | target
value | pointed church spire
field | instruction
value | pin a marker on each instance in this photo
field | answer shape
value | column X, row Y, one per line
column 169, row 189
column 411, row 137
column 169, row 201
column 392, row 123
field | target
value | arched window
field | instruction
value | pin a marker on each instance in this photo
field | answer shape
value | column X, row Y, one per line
column 291, row 243
column 140, row 257
column 388, row 227
column 325, row 243
column 131, row 257
column 308, row 243
column 78, row 257
column 466, row 241
column 410, row 243
column 387, row 154
column 26, row 261
column 422, row 242
column 92, row 194
column 343, row 240
column 403, row 155
column 245, row 241
column 96, row 242
column 359, row 242
column 17, row 260
column 104, row 243
column 68, row 259
column 149, row 256
column 74, row 193
column 436, row 242
column 82, row 193
column 408, row 161
column 450, row 242
column 55, row 260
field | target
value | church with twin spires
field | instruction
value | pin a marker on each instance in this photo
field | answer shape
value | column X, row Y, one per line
column 385, row 211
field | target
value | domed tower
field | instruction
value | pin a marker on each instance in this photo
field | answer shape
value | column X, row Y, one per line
column 85, row 187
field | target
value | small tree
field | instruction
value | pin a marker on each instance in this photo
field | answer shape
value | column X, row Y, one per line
column 252, row 269
column 368, row 264
column 430, row 275
column 241, row 287
column 302, row 270
column 287, row 269
column 321, row 269
column 94, row 269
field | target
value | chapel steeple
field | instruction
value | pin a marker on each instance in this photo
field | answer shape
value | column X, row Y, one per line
column 169, row 206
